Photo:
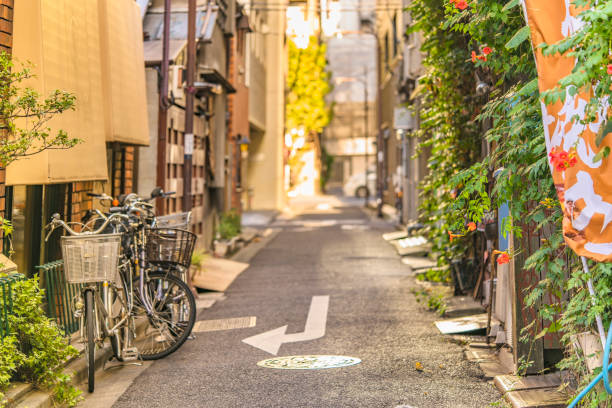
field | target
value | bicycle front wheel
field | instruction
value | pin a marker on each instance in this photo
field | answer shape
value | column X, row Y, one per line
column 91, row 343
column 167, row 327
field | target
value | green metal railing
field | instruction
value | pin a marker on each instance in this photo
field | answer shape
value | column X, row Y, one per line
column 59, row 295
column 6, row 300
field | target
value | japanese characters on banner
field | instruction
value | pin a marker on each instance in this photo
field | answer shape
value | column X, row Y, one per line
column 584, row 185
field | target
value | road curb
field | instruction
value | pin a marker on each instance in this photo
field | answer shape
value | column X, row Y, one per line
column 22, row 395
column 249, row 252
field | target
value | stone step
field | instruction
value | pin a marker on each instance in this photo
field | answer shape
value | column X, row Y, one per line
column 538, row 398
column 507, row 383
column 459, row 306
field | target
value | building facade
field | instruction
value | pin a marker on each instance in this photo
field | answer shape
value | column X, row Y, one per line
column 98, row 59
column 399, row 170
column 211, row 170
column 266, row 68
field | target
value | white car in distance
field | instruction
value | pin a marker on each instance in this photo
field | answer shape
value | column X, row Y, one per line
column 356, row 185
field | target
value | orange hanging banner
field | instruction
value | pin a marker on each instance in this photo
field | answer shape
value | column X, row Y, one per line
column 583, row 182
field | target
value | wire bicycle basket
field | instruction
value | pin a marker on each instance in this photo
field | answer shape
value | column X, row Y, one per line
column 170, row 246
column 91, row 258
column 178, row 220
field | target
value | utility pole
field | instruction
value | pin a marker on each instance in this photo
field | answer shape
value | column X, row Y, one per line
column 365, row 132
column 380, row 173
column 189, row 105
column 162, row 118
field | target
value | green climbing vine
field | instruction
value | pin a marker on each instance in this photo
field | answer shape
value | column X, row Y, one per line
column 481, row 127
column 306, row 110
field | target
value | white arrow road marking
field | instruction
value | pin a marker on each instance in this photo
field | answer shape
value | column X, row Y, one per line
column 271, row 341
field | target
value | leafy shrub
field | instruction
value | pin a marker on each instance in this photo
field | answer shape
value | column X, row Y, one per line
column 198, row 257
column 434, row 301
column 229, row 225
column 435, row 275
column 35, row 349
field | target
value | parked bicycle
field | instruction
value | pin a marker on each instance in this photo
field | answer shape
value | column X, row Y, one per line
column 145, row 310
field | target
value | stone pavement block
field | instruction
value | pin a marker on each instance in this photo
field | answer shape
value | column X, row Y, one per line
column 540, row 398
column 15, row 392
column 458, row 306
column 392, row 236
column 480, row 355
column 462, row 324
column 482, row 345
column 37, row 399
column 492, row 369
column 507, row 383
column 418, row 262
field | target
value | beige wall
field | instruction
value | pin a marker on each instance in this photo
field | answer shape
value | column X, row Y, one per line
column 265, row 170
column 255, row 71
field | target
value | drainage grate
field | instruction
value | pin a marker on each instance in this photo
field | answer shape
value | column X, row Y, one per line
column 224, row 324
column 308, row 362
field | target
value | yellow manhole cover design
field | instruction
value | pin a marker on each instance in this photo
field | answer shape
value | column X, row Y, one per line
column 308, row 362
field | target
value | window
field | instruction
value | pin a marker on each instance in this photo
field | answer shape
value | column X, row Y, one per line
column 386, row 56
column 395, row 38
column 30, row 209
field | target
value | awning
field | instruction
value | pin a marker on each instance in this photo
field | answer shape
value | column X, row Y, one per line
column 62, row 39
column 215, row 77
column 125, row 92
column 153, row 51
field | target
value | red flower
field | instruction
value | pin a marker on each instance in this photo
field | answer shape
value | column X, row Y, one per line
column 452, row 236
column 474, row 56
column 609, row 69
column 487, row 50
column 562, row 155
column 560, row 165
column 461, row 4
column 503, row 258
column 572, row 161
column 471, row 226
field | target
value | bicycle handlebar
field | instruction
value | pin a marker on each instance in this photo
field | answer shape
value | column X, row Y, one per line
column 57, row 222
column 102, row 196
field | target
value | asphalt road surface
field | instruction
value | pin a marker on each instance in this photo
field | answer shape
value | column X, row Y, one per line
column 326, row 250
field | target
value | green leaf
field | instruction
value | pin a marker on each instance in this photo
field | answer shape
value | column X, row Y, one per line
column 604, row 130
column 602, row 153
column 529, row 88
column 519, row 37
column 541, row 334
column 510, row 5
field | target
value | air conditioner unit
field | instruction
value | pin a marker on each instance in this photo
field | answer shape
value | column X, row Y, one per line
column 175, row 81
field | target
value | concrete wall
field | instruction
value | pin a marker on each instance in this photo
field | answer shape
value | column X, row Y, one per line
column 147, row 156
column 389, row 29
column 256, row 72
column 266, row 175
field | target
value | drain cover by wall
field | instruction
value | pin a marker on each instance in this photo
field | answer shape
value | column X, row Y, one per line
column 224, row 324
column 308, row 362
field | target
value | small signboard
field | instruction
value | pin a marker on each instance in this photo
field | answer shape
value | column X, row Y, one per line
column 403, row 118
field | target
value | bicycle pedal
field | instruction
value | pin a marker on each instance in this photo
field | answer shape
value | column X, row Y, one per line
column 130, row 354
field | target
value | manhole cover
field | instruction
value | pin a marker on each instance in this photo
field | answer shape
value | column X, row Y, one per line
column 308, row 362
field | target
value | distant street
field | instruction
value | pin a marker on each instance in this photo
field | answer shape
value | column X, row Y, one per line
column 328, row 249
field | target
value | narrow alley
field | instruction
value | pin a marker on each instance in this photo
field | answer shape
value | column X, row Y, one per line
column 328, row 249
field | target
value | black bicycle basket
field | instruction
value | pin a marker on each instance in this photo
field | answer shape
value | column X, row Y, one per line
column 170, row 246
